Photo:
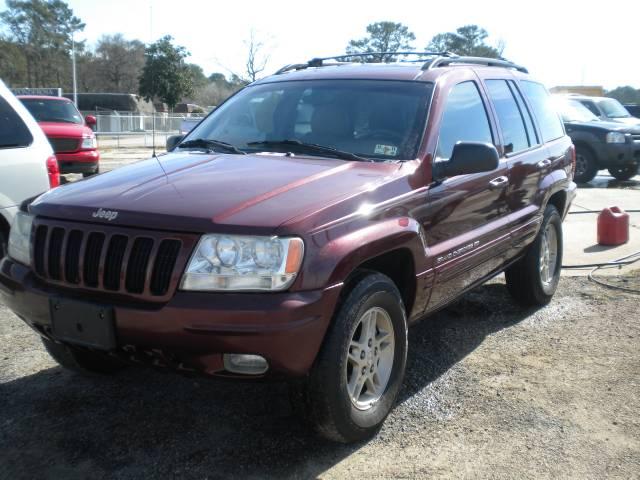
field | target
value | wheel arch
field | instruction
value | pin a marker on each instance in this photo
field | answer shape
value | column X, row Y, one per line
column 396, row 264
column 558, row 200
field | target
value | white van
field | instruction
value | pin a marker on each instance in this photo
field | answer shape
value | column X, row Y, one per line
column 28, row 166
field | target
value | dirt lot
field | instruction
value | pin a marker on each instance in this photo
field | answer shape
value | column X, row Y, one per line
column 491, row 391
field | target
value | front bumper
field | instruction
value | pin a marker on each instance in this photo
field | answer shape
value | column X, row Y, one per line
column 84, row 161
column 194, row 329
column 617, row 154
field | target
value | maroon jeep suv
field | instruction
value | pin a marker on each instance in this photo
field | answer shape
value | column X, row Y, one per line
column 301, row 227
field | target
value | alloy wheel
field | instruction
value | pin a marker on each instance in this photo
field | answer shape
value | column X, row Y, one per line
column 548, row 256
column 370, row 358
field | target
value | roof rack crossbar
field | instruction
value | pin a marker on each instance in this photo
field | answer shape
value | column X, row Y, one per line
column 321, row 61
column 489, row 62
column 439, row 59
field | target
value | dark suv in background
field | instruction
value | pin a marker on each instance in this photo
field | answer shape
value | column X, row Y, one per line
column 607, row 109
column 301, row 227
column 599, row 144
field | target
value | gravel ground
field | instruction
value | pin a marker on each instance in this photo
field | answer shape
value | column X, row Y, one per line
column 492, row 391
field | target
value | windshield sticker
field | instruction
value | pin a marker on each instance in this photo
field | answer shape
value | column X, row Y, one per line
column 389, row 150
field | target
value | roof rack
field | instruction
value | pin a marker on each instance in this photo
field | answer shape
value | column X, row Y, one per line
column 321, row 61
column 489, row 62
column 440, row 59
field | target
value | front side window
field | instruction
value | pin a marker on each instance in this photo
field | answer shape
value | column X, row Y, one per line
column 591, row 107
column 13, row 132
column 509, row 116
column 464, row 119
column 45, row 110
column 543, row 109
column 573, row 110
column 376, row 119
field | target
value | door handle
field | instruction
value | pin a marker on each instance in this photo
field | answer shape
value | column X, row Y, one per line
column 544, row 163
column 498, row 183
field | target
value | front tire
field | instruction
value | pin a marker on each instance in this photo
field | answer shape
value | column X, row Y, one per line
column 533, row 279
column 586, row 166
column 82, row 361
column 359, row 370
column 625, row 172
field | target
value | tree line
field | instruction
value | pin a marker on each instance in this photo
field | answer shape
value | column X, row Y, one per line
column 37, row 38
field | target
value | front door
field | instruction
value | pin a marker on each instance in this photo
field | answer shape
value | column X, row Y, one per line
column 466, row 221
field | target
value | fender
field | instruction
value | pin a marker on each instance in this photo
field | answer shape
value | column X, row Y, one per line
column 337, row 258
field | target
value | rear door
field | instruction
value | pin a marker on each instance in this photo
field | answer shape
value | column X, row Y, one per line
column 527, row 158
column 466, row 229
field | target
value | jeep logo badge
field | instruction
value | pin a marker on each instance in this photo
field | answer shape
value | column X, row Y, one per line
column 106, row 214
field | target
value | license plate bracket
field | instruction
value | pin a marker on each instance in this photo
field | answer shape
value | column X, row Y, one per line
column 82, row 323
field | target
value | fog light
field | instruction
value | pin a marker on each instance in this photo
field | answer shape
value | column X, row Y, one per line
column 245, row 364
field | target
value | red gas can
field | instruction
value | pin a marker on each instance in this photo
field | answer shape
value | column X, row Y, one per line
column 613, row 226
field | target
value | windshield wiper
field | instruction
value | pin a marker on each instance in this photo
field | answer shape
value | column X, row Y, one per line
column 211, row 145
column 311, row 148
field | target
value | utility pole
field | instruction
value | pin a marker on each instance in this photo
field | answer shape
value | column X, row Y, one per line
column 73, row 66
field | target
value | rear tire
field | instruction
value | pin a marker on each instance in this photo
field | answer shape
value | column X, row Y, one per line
column 359, row 371
column 625, row 172
column 533, row 280
column 82, row 361
column 586, row 166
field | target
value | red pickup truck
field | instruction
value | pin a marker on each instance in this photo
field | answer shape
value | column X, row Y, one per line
column 71, row 137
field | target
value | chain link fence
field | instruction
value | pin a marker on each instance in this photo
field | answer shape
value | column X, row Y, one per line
column 116, row 130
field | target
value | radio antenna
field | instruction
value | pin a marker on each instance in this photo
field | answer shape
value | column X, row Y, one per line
column 153, row 86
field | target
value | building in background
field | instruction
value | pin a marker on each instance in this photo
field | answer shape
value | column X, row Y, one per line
column 588, row 90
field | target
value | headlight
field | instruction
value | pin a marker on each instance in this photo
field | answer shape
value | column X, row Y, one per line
column 88, row 142
column 616, row 137
column 238, row 262
column 20, row 238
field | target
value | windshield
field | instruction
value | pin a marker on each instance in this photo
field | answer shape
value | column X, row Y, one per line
column 613, row 108
column 573, row 111
column 45, row 110
column 376, row 119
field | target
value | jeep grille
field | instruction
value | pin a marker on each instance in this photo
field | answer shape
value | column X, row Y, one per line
column 111, row 259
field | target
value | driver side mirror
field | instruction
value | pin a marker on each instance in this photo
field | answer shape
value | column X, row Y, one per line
column 90, row 120
column 172, row 141
column 468, row 157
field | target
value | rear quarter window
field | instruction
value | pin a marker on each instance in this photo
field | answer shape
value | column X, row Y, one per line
column 13, row 132
column 543, row 109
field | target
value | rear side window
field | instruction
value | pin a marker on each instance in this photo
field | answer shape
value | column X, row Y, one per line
column 464, row 119
column 545, row 113
column 13, row 132
column 509, row 116
column 526, row 113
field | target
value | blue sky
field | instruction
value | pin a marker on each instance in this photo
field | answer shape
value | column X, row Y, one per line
column 561, row 42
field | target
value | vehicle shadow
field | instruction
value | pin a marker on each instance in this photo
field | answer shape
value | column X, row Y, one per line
column 141, row 423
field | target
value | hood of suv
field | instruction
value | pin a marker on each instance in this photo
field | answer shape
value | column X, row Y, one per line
column 630, row 121
column 201, row 192
column 602, row 126
column 64, row 129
